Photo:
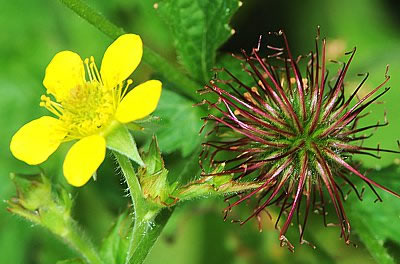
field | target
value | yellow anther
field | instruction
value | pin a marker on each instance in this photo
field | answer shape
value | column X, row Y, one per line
column 255, row 90
column 94, row 71
column 261, row 84
column 249, row 98
column 282, row 82
column 125, row 89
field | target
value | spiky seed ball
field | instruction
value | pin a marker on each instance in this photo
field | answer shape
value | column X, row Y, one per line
column 291, row 132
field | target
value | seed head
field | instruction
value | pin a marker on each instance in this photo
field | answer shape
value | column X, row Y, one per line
column 295, row 131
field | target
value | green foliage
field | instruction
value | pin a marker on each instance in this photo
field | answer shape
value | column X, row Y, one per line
column 377, row 223
column 115, row 245
column 196, row 232
column 234, row 65
column 180, row 124
column 199, row 28
column 71, row 261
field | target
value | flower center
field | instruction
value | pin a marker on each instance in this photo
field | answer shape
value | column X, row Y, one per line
column 88, row 109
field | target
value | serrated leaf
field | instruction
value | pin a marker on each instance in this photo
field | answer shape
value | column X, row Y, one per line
column 375, row 222
column 187, row 170
column 115, row 246
column 180, row 122
column 199, row 28
column 121, row 141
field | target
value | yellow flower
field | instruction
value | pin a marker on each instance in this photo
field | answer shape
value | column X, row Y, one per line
column 88, row 106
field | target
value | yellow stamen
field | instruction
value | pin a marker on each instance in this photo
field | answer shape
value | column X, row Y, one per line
column 88, row 70
column 255, row 90
column 94, row 71
column 125, row 90
column 250, row 98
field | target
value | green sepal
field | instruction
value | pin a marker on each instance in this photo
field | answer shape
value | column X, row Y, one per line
column 115, row 245
column 153, row 159
column 120, row 140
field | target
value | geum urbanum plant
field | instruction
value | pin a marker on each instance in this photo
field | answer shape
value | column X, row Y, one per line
column 97, row 109
column 294, row 132
column 89, row 106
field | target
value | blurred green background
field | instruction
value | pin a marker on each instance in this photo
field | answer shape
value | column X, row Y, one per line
column 33, row 31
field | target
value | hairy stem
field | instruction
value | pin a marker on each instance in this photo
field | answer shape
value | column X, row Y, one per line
column 149, row 220
column 186, row 86
column 78, row 241
column 147, row 242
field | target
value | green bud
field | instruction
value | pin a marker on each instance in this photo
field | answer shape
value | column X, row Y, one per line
column 153, row 177
column 38, row 202
column 33, row 191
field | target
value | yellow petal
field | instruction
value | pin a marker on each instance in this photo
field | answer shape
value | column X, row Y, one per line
column 140, row 102
column 83, row 159
column 37, row 140
column 121, row 59
column 64, row 72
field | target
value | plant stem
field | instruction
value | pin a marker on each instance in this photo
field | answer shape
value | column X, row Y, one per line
column 185, row 85
column 143, row 236
column 80, row 243
column 138, row 202
column 146, row 244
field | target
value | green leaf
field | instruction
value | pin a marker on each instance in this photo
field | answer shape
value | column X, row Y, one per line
column 378, row 223
column 199, row 28
column 115, row 246
column 121, row 141
column 372, row 243
column 181, row 123
column 234, row 66
column 71, row 261
column 184, row 171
